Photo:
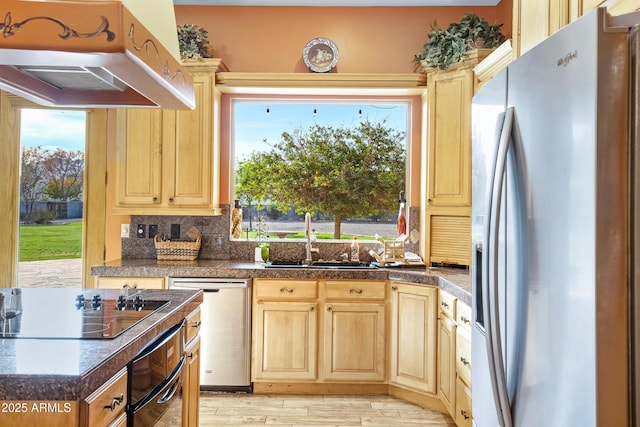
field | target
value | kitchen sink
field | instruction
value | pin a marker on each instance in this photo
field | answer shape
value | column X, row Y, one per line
column 338, row 265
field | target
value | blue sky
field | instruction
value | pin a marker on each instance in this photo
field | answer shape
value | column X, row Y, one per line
column 53, row 129
column 66, row 128
column 253, row 125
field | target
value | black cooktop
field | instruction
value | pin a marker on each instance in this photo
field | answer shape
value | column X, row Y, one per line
column 72, row 313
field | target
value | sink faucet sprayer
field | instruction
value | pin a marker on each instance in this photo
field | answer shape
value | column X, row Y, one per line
column 310, row 239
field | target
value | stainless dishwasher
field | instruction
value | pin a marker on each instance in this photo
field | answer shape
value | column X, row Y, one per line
column 225, row 333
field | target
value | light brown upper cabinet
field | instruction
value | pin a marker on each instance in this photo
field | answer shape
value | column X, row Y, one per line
column 535, row 20
column 167, row 161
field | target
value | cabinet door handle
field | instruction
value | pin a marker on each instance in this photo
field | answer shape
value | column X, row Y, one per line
column 429, row 201
column 464, row 414
column 289, row 290
column 116, row 401
column 394, row 288
column 170, row 199
column 312, row 309
column 155, row 199
column 444, row 304
column 329, row 308
column 464, row 361
column 196, row 324
column 465, row 320
column 355, row 291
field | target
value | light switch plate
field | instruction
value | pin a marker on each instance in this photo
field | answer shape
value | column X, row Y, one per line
column 124, row 231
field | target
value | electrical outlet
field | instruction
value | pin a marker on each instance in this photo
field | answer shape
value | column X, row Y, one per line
column 153, row 230
column 141, row 231
column 124, row 231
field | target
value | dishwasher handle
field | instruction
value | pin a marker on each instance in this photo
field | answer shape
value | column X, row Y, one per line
column 207, row 285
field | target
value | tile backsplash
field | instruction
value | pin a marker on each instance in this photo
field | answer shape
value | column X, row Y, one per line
column 216, row 243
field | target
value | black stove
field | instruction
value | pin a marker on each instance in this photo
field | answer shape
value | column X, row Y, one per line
column 72, row 313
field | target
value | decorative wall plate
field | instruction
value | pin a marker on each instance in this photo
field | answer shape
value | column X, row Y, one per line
column 320, row 55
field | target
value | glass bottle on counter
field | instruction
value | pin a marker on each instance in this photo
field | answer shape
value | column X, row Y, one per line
column 402, row 220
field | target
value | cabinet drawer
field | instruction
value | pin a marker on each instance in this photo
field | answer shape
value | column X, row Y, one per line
column 447, row 304
column 107, row 403
column 130, row 282
column 355, row 290
column 463, row 355
column 285, row 289
column 463, row 316
column 463, row 414
column 192, row 324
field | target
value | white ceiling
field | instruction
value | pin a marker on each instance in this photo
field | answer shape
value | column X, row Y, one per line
column 337, row 2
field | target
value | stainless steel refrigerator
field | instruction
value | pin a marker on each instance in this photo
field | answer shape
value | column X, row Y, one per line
column 553, row 232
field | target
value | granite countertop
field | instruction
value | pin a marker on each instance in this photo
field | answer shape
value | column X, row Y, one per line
column 453, row 280
column 71, row 369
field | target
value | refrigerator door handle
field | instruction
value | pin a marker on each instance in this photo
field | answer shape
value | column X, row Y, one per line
column 493, row 337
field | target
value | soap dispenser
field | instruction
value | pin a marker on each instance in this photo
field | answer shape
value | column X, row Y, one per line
column 236, row 220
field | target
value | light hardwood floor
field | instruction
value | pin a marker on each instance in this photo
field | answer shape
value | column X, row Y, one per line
column 304, row 410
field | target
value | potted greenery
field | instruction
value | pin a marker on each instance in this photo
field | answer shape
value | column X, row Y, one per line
column 448, row 46
column 193, row 42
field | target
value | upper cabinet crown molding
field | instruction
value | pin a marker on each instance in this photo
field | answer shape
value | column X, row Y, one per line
column 285, row 83
column 495, row 62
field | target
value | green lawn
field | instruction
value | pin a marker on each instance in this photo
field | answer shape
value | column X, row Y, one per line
column 51, row 241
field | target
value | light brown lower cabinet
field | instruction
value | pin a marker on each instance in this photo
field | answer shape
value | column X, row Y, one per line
column 191, row 384
column 413, row 336
column 284, row 340
column 463, row 364
column 130, row 282
column 107, row 405
column 446, row 362
column 323, row 333
column 329, row 331
column 463, row 415
column 354, row 344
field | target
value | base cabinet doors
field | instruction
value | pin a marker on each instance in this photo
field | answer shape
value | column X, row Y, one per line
column 446, row 364
column 354, row 345
column 285, row 335
column 413, row 336
column 191, row 385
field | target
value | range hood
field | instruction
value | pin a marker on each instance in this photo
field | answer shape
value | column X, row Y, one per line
column 93, row 53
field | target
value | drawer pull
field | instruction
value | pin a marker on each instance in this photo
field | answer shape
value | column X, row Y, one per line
column 155, row 199
column 196, row 324
column 170, row 199
column 128, row 286
column 116, row 401
column 464, row 414
column 394, row 288
column 444, row 304
column 465, row 320
column 464, row 361
column 355, row 291
column 289, row 290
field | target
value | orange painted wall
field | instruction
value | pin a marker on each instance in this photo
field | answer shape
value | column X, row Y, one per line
column 370, row 39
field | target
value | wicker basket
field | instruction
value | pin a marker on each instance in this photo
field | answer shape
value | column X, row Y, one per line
column 176, row 250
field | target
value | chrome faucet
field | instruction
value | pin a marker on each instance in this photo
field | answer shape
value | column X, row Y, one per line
column 307, row 232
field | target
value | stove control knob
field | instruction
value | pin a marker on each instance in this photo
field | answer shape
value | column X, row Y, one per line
column 80, row 302
column 96, row 302
column 138, row 303
column 121, row 303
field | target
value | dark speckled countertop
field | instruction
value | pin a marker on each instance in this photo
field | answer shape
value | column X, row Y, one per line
column 455, row 281
column 71, row 369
